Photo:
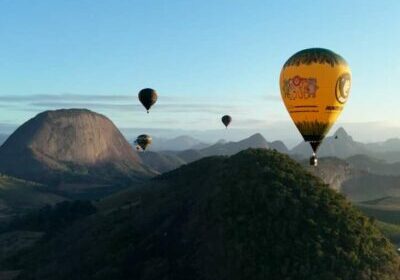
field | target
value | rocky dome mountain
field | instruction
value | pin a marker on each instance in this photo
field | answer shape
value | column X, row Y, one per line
column 70, row 144
column 255, row 215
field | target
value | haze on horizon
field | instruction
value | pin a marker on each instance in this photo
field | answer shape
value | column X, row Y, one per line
column 97, row 55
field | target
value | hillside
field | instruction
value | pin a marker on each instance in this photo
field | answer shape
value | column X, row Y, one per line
column 161, row 162
column 371, row 187
column 342, row 145
column 373, row 165
column 387, row 211
column 3, row 138
column 180, row 143
column 332, row 171
column 359, row 178
column 74, row 145
column 18, row 196
column 255, row 215
column 279, row 146
column 168, row 160
column 392, row 144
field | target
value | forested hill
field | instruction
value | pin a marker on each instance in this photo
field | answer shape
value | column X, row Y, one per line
column 254, row 215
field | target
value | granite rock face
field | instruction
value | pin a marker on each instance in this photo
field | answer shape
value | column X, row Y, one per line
column 70, row 144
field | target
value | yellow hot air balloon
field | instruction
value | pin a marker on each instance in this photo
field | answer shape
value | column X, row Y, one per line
column 315, row 85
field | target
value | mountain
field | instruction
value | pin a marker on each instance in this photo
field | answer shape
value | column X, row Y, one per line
column 373, row 165
column 370, row 187
column 179, row 143
column 229, row 148
column 3, row 138
column 392, row 144
column 279, row 146
column 255, row 215
column 161, row 162
column 339, row 145
column 342, row 145
column 74, row 145
column 360, row 178
column 332, row 171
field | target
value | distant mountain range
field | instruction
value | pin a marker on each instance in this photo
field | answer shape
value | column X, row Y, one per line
column 168, row 160
column 342, row 145
column 353, row 168
column 179, row 143
column 360, row 178
column 339, row 145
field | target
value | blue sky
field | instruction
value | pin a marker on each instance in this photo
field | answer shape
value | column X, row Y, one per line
column 205, row 58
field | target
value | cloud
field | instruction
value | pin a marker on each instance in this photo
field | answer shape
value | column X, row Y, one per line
column 250, row 122
column 129, row 107
column 63, row 97
column 273, row 97
column 117, row 102
column 72, row 97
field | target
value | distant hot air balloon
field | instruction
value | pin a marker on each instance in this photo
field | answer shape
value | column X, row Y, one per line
column 147, row 97
column 315, row 85
column 143, row 141
column 226, row 120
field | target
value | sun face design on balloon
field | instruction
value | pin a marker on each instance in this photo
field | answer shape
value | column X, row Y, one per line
column 343, row 85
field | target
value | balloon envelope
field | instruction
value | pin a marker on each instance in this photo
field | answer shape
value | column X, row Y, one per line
column 315, row 85
column 226, row 120
column 147, row 97
column 143, row 141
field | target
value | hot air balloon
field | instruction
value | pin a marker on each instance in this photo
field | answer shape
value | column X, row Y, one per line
column 147, row 97
column 315, row 85
column 143, row 141
column 226, row 120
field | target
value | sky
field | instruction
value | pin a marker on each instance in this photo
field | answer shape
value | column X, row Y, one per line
column 205, row 58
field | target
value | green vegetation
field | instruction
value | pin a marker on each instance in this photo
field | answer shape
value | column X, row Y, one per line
column 18, row 196
column 381, row 213
column 391, row 231
column 52, row 219
column 255, row 215
column 386, row 211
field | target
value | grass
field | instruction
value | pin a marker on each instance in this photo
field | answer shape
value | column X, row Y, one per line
column 391, row 231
